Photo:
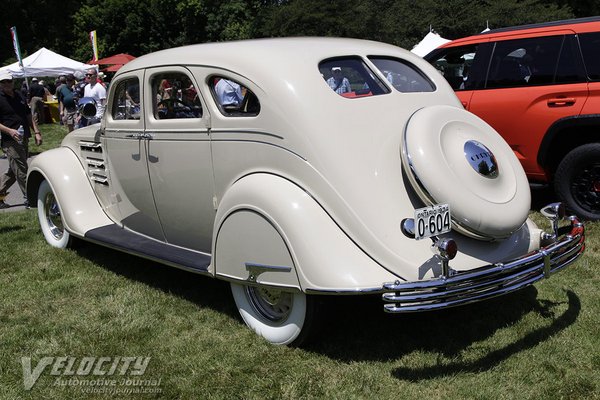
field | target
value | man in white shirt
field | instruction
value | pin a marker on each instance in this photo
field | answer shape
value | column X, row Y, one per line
column 229, row 93
column 97, row 92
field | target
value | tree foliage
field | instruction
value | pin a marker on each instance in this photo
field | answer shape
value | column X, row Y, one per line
column 139, row 27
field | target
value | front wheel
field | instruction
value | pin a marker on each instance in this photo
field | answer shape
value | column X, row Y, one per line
column 279, row 316
column 50, row 218
column 577, row 181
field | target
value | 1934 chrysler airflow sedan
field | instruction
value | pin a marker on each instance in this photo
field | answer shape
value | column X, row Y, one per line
column 300, row 167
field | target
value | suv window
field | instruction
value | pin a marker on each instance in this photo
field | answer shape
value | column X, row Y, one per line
column 233, row 98
column 590, row 47
column 455, row 64
column 570, row 68
column 350, row 77
column 127, row 100
column 175, row 97
column 524, row 62
column 402, row 75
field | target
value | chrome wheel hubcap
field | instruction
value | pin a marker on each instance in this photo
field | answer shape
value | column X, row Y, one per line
column 272, row 304
column 53, row 217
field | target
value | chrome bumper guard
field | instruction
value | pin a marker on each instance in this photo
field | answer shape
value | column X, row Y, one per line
column 464, row 287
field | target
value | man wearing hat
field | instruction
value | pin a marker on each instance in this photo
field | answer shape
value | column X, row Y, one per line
column 36, row 96
column 15, row 128
column 338, row 83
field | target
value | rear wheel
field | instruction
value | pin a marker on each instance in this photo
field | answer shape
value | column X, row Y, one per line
column 50, row 217
column 577, row 181
column 281, row 317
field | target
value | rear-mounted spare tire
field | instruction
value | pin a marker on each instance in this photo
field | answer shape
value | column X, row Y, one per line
column 452, row 156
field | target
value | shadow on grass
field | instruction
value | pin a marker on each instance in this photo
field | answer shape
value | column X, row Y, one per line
column 355, row 328
column 14, row 228
column 492, row 358
column 359, row 330
column 198, row 289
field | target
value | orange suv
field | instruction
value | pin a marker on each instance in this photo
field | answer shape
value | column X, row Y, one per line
column 539, row 87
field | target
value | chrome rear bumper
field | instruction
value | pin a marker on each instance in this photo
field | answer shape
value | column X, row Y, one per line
column 466, row 287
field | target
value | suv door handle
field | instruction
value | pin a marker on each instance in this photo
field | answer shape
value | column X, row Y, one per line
column 561, row 102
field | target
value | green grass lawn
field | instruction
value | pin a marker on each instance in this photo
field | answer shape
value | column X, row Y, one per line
column 540, row 343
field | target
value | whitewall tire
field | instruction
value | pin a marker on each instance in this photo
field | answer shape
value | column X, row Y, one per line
column 280, row 317
column 50, row 217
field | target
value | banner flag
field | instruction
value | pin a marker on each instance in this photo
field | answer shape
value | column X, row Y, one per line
column 13, row 32
column 94, row 45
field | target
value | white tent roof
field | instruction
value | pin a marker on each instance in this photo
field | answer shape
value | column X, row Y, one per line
column 45, row 62
column 431, row 41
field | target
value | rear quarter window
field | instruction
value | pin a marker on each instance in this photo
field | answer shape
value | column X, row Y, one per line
column 590, row 47
column 402, row 75
column 351, row 78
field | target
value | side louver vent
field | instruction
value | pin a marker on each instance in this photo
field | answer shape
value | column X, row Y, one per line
column 94, row 161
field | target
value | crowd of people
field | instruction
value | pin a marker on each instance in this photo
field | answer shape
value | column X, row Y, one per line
column 21, row 112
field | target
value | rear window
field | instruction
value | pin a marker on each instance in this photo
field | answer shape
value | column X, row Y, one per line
column 402, row 75
column 590, row 47
column 351, row 78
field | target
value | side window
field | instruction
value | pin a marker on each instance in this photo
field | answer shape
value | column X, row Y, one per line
column 175, row 97
column 456, row 65
column 350, row 77
column 570, row 67
column 233, row 98
column 402, row 75
column 126, row 103
column 590, row 47
column 524, row 62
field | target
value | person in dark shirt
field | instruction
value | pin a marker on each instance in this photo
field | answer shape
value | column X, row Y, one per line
column 15, row 127
column 36, row 100
column 66, row 102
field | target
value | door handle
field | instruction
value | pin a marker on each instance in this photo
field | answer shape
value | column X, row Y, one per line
column 465, row 104
column 561, row 102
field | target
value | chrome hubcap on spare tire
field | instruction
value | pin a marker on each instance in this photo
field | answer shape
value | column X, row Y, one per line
column 272, row 304
column 53, row 217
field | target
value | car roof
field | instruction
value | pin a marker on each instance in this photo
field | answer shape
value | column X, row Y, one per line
column 268, row 55
column 588, row 24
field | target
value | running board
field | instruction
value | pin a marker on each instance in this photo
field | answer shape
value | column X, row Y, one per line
column 130, row 242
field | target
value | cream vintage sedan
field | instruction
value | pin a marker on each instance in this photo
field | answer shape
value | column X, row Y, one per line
column 301, row 167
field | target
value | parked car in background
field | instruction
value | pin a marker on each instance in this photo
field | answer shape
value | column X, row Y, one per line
column 539, row 87
column 241, row 162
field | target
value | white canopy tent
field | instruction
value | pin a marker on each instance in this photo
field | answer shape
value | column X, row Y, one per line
column 45, row 62
column 431, row 41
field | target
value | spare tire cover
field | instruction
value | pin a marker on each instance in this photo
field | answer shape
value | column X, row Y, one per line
column 452, row 156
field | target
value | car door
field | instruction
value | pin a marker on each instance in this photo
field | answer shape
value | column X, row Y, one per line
column 179, row 156
column 590, row 43
column 531, row 84
column 129, row 183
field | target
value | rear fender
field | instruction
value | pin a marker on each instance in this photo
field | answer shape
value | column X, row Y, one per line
column 268, row 225
column 79, row 206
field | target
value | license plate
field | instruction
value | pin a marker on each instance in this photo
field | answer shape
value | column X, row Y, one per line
column 432, row 221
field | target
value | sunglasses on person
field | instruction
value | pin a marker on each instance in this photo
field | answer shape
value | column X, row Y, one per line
column 90, row 74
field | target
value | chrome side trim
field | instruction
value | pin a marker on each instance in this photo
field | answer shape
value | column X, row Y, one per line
column 487, row 281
